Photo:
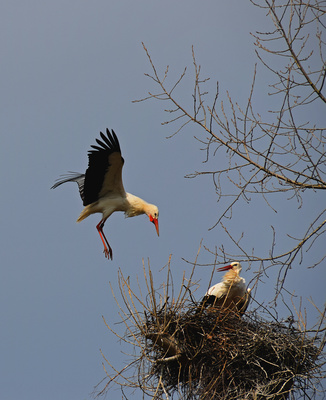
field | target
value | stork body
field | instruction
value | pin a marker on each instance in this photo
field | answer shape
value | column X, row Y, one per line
column 101, row 187
column 231, row 293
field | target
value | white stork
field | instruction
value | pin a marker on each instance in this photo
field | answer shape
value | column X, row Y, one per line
column 101, row 187
column 231, row 293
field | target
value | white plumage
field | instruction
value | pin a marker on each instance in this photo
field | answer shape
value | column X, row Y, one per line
column 231, row 293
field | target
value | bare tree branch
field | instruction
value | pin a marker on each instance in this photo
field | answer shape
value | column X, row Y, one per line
column 277, row 153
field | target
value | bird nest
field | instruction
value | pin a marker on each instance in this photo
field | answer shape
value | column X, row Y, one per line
column 188, row 352
column 219, row 355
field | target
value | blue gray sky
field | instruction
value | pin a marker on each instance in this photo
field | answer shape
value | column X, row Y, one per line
column 69, row 70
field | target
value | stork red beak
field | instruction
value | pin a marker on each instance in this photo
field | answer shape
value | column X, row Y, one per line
column 155, row 222
column 226, row 268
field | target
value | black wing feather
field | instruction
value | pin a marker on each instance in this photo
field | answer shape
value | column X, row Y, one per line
column 72, row 177
column 106, row 140
column 208, row 300
column 97, row 147
column 98, row 165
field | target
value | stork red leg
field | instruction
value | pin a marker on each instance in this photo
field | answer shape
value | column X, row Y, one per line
column 107, row 248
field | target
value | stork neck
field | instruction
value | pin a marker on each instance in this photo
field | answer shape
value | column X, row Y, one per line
column 136, row 205
column 232, row 277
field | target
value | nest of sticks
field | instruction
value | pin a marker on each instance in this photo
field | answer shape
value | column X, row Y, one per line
column 190, row 352
column 219, row 355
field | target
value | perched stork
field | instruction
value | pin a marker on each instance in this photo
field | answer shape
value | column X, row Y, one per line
column 101, row 188
column 231, row 293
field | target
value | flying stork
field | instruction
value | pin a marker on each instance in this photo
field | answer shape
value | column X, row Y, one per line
column 101, row 188
column 231, row 293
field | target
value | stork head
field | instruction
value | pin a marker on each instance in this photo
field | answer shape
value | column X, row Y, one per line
column 152, row 213
column 236, row 266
